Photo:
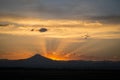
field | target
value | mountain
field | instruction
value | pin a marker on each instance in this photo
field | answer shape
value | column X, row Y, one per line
column 38, row 58
column 38, row 61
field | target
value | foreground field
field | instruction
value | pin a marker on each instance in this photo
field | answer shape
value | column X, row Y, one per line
column 60, row 74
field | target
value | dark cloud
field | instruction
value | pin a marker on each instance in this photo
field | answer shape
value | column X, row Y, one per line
column 77, row 9
column 7, row 23
column 107, row 19
column 3, row 24
column 63, row 9
column 43, row 30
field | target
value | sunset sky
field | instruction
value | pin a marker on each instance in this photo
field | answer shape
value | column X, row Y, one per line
column 77, row 29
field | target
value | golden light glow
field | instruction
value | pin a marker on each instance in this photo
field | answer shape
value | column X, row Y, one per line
column 35, row 21
column 57, row 57
column 16, row 56
column 64, row 40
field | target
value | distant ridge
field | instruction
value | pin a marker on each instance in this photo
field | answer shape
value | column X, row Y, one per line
column 39, row 61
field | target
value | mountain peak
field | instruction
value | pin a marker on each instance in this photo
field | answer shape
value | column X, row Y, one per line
column 38, row 57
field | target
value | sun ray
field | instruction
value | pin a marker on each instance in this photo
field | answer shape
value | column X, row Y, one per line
column 42, row 44
column 51, row 45
column 64, row 43
column 82, row 49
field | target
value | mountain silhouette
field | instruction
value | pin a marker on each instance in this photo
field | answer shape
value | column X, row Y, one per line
column 36, row 61
column 38, row 58
column 39, row 61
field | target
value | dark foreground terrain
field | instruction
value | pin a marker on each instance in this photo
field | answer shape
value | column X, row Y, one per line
column 40, row 68
column 56, row 74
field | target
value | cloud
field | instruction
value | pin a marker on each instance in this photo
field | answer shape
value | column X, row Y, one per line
column 104, row 11
column 107, row 19
column 4, row 24
column 61, row 9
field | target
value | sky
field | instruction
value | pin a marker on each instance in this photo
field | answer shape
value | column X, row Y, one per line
column 76, row 29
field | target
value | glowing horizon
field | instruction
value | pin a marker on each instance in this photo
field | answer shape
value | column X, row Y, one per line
column 76, row 30
column 60, row 39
